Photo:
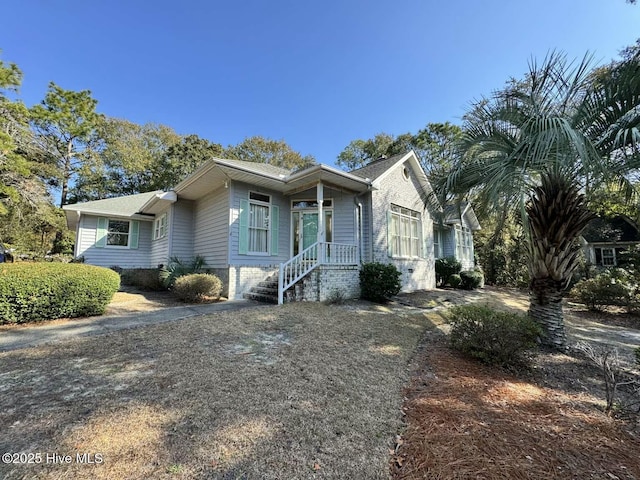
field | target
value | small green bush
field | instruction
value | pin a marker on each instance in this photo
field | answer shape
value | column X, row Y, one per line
column 379, row 281
column 197, row 287
column 471, row 279
column 612, row 287
column 454, row 280
column 144, row 278
column 178, row 267
column 445, row 267
column 494, row 337
column 45, row 291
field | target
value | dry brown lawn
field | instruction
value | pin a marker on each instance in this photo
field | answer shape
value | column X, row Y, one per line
column 294, row 392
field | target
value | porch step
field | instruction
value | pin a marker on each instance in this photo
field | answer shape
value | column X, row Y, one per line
column 265, row 291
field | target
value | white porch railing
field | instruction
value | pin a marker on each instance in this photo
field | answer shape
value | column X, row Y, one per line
column 320, row 253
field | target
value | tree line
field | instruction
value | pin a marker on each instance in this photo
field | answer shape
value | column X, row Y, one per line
column 64, row 148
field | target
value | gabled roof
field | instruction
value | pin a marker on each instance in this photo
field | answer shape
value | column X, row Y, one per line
column 120, row 206
column 128, row 206
column 376, row 168
column 611, row 230
column 453, row 214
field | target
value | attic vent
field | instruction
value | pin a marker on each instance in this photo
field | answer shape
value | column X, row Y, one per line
column 405, row 173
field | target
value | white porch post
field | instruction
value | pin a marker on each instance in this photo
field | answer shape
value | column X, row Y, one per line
column 320, row 200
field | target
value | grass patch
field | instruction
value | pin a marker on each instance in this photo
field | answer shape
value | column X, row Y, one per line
column 299, row 391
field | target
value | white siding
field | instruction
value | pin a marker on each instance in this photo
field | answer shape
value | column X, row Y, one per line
column 417, row 273
column 160, row 247
column 211, row 228
column 182, row 231
column 108, row 256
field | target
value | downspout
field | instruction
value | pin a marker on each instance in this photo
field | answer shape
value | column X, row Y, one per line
column 359, row 207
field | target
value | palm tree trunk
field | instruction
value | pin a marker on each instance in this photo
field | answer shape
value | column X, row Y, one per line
column 545, row 308
column 557, row 214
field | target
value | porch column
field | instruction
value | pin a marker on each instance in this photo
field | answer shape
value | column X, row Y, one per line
column 320, row 200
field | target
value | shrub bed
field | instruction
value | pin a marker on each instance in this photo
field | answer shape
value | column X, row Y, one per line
column 445, row 267
column 197, row 287
column 494, row 337
column 379, row 281
column 45, row 291
column 471, row 279
column 612, row 287
column 144, row 278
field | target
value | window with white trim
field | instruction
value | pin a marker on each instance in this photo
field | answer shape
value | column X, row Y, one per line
column 608, row 257
column 259, row 215
column 160, row 227
column 464, row 243
column 437, row 242
column 405, row 232
column 118, row 233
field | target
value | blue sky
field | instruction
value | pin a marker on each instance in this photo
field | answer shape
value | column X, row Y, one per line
column 316, row 74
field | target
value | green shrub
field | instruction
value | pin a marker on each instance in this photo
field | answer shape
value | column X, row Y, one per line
column 178, row 267
column 612, row 287
column 471, row 279
column 144, row 278
column 197, row 287
column 454, row 280
column 379, row 281
column 44, row 291
column 496, row 338
column 445, row 267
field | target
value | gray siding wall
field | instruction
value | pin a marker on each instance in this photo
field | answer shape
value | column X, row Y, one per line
column 367, row 228
column 417, row 273
column 344, row 213
column 240, row 191
column 160, row 248
column 449, row 242
column 182, row 231
column 111, row 256
column 211, row 228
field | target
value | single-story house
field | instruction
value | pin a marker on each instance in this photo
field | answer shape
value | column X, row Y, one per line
column 281, row 233
column 603, row 239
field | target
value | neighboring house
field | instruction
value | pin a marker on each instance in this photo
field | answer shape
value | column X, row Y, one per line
column 306, row 231
column 604, row 239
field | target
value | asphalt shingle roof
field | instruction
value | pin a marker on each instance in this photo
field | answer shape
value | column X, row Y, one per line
column 124, row 206
column 263, row 168
column 376, row 168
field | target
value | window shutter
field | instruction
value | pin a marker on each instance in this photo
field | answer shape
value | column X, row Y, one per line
column 243, row 234
column 389, row 234
column 273, row 224
column 134, row 234
column 101, row 232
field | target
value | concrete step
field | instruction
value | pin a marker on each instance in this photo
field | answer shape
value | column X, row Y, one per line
column 265, row 289
column 261, row 297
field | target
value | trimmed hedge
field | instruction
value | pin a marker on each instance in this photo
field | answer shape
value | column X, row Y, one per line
column 471, row 279
column 45, row 291
column 379, row 281
column 197, row 287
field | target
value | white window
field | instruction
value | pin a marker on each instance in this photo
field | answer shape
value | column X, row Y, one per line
column 405, row 232
column 160, row 227
column 118, row 233
column 437, row 242
column 464, row 243
column 608, row 257
column 259, row 214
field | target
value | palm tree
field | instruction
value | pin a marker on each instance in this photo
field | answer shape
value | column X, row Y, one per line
column 540, row 145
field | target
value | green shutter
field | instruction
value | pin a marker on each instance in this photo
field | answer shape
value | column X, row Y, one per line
column 273, row 223
column 101, row 232
column 243, row 234
column 134, row 234
column 389, row 235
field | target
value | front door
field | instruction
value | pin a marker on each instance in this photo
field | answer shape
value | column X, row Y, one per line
column 305, row 229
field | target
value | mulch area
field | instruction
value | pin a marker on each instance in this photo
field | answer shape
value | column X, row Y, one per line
column 467, row 420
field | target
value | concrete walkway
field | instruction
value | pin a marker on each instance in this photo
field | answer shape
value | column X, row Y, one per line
column 31, row 336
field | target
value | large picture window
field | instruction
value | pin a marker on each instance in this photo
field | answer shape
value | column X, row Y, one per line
column 405, row 232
